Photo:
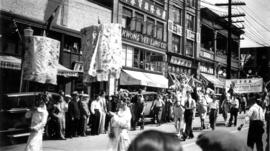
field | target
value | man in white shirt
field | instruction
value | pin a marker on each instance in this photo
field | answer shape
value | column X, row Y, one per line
column 189, row 114
column 234, row 110
column 213, row 106
column 256, row 126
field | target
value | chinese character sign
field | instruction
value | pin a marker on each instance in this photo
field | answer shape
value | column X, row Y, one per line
column 41, row 59
column 253, row 85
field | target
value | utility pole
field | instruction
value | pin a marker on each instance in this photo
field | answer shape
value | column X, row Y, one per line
column 229, row 26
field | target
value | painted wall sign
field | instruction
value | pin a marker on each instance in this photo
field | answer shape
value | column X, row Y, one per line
column 174, row 28
column 147, row 6
column 180, row 61
column 143, row 39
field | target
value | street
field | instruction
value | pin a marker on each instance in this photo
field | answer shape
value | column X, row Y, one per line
column 100, row 142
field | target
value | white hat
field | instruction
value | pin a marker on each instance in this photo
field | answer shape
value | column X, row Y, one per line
column 68, row 96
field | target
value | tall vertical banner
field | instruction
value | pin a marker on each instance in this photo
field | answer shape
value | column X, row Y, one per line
column 41, row 59
column 254, row 85
column 102, row 51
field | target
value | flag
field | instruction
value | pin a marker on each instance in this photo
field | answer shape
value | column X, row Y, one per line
column 52, row 18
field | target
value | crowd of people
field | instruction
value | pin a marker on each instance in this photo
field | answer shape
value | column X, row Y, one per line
column 76, row 115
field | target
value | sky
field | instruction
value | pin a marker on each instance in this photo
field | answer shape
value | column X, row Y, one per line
column 256, row 22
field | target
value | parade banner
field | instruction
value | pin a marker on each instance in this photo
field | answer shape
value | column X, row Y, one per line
column 102, row 51
column 41, row 59
column 253, row 85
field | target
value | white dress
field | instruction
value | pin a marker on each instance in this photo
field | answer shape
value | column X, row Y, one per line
column 120, row 124
column 38, row 122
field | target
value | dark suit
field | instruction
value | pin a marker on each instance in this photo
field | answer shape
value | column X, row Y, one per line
column 85, row 113
column 74, row 115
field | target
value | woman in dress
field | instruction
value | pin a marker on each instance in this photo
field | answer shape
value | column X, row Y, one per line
column 178, row 112
column 202, row 107
column 120, row 124
column 39, row 119
column 103, row 111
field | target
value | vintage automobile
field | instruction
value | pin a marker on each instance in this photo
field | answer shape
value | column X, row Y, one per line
column 13, row 106
column 149, row 98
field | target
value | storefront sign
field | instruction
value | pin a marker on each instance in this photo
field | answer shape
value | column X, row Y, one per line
column 156, row 58
column 143, row 39
column 147, row 6
column 174, row 28
column 190, row 34
column 206, row 55
column 180, row 61
column 254, row 85
column 207, row 69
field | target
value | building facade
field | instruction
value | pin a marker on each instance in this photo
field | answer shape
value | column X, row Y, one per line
column 68, row 18
column 145, row 42
column 213, row 52
column 183, row 37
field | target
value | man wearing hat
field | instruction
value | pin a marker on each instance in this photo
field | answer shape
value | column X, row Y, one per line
column 85, row 113
column 68, row 122
column 74, row 114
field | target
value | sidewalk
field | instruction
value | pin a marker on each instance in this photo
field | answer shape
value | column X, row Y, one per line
column 100, row 142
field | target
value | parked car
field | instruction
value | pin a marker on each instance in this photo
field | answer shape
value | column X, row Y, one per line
column 149, row 98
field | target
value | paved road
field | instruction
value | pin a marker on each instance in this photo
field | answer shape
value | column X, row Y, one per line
column 99, row 143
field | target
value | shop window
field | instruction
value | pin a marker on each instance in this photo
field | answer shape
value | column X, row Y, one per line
column 139, row 22
column 189, row 48
column 124, row 54
column 136, row 61
column 190, row 22
column 126, row 18
column 176, row 43
column 150, row 26
column 129, row 60
column 176, row 15
column 159, row 30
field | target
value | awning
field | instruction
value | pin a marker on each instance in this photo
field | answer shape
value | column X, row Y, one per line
column 211, row 78
column 10, row 62
column 140, row 78
column 63, row 71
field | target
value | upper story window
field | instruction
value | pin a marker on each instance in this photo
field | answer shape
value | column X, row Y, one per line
column 126, row 18
column 189, row 48
column 190, row 22
column 176, row 43
column 159, row 30
column 176, row 15
column 150, row 26
column 190, row 3
column 139, row 22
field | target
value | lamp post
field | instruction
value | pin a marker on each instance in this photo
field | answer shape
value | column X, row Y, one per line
column 27, row 32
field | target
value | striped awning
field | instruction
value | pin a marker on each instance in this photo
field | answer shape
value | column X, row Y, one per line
column 14, row 63
column 10, row 62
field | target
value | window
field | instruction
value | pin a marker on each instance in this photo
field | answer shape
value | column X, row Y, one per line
column 136, row 61
column 139, row 22
column 159, row 30
column 127, row 55
column 190, row 22
column 129, row 61
column 190, row 3
column 176, row 15
column 150, row 26
column 189, row 48
column 126, row 18
column 176, row 43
